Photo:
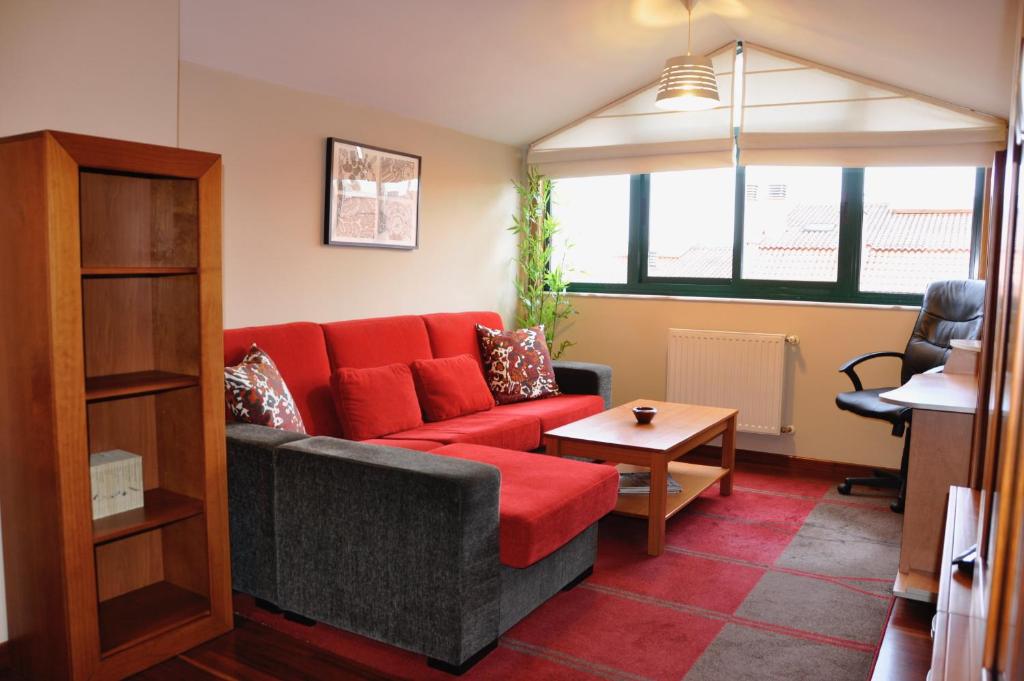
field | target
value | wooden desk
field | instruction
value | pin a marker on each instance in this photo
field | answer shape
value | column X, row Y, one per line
column 940, row 457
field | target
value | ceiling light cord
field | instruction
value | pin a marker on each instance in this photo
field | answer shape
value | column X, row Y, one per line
column 689, row 25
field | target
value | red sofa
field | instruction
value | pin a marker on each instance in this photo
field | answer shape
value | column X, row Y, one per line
column 307, row 354
column 543, row 513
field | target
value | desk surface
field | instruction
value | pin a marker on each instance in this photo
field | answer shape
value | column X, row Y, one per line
column 937, row 392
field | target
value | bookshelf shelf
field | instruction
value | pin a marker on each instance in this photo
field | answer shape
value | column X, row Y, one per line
column 135, row 383
column 136, row 271
column 147, row 612
column 162, row 507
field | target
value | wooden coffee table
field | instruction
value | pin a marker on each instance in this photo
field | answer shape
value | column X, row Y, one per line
column 614, row 435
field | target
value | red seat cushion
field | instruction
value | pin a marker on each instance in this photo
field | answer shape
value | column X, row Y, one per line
column 375, row 401
column 300, row 354
column 418, row 445
column 484, row 427
column 544, row 501
column 361, row 343
column 454, row 333
column 450, row 387
column 557, row 411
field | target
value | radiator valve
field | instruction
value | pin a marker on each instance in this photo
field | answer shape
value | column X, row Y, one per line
column 787, row 430
column 793, row 340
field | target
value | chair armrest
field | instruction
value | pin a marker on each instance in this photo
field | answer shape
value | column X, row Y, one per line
column 251, row 451
column 397, row 545
column 584, row 378
column 849, row 367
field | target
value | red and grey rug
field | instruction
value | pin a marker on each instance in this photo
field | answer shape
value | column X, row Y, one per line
column 785, row 579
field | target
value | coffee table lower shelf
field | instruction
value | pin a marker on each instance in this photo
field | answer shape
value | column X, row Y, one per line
column 693, row 478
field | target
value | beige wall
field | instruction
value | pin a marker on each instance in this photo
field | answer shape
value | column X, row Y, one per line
column 100, row 67
column 275, row 268
column 631, row 335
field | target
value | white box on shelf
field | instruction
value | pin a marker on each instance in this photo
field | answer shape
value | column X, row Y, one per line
column 116, row 478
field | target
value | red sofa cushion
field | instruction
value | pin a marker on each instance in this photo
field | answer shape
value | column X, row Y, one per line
column 557, row 411
column 544, row 501
column 450, row 387
column 418, row 445
column 484, row 427
column 362, row 343
column 454, row 333
column 375, row 401
column 300, row 354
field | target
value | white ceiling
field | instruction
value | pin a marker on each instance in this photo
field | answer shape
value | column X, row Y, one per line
column 514, row 70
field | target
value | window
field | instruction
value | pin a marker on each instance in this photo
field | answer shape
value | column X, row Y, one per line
column 917, row 227
column 593, row 213
column 691, row 224
column 875, row 235
column 791, row 229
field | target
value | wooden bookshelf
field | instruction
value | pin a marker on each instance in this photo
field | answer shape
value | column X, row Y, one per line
column 115, row 343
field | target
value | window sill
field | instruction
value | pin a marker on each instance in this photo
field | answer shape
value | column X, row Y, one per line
column 744, row 301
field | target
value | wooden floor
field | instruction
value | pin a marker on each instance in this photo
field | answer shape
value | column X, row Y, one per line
column 906, row 649
column 252, row 651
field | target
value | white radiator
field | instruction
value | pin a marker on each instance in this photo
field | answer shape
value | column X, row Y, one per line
column 743, row 371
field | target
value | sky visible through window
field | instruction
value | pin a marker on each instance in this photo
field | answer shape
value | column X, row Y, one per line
column 594, row 216
column 692, row 223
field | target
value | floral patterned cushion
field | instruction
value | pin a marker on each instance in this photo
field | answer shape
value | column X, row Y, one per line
column 517, row 364
column 255, row 393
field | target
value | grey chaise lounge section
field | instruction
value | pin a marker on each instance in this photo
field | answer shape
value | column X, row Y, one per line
column 397, row 545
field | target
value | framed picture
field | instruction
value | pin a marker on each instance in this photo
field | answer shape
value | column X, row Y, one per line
column 373, row 196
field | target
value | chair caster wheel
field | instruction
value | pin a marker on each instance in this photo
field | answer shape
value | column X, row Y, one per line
column 844, row 488
column 897, row 506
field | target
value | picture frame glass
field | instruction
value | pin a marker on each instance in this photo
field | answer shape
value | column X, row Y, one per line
column 373, row 197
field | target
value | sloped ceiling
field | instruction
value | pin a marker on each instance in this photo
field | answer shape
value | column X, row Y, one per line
column 514, row 70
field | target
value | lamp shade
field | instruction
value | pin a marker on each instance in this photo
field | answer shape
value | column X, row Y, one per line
column 687, row 83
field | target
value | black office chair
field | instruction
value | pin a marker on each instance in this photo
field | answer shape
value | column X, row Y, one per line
column 950, row 310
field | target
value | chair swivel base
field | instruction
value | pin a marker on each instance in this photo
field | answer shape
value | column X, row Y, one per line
column 882, row 480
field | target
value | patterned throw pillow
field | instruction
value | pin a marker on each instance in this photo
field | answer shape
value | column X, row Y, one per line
column 255, row 393
column 517, row 364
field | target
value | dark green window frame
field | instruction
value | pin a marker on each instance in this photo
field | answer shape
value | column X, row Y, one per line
column 844, row 290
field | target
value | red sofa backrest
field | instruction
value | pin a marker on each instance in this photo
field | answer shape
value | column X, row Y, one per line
column 365, row 343
column 307, row 353
column 300, row 354
column 454, row 333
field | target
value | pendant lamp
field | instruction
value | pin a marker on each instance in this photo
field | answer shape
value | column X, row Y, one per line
column 688, row 83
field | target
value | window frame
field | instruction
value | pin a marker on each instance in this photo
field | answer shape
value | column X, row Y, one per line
column 846, row 288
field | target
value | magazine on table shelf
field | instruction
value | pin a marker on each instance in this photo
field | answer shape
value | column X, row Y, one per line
column 640, row 483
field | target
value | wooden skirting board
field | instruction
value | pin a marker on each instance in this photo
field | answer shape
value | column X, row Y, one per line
column 835, row 469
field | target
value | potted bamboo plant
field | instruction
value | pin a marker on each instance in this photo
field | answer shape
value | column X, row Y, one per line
column 541, row 283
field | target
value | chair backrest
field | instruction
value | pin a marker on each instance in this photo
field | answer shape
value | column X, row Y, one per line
column 950, row 310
